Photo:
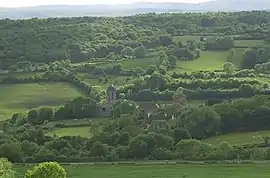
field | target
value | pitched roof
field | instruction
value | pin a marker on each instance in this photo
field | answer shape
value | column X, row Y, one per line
column 148, row 106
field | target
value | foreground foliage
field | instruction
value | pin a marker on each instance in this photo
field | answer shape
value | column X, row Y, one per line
column 6, row 169
column 47, row 170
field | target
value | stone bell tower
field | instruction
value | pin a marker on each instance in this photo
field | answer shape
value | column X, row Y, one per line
column 111, row 94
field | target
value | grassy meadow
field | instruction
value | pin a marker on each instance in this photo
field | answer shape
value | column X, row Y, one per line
column 80, row 127
column 162, row 171
column 71, row 131
column 117, row 80
column 184, row 39
column 21, row 97
column 209, row 60
column 239, row 138
column 248, row 43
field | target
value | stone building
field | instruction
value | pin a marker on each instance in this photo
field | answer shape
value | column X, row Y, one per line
column 107, row 108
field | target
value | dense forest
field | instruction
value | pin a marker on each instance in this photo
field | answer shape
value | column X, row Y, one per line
column 91, row 38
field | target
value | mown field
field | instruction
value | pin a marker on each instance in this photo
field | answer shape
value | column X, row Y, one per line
column 84, row 128
column 71, row 131
column 113, row 79
column 248, row 43
column 162, row 171
column 21, row 97
column 239, row 138
column 184, row 39
column 209, row 60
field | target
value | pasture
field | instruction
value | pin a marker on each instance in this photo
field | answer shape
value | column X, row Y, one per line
column 112, row 79
column 248, row 43
column 209, row 60
column 184, row 39
column 71, row 131
column 21, row 97
column 84, row 128
column 239, row 138
column 161, row 171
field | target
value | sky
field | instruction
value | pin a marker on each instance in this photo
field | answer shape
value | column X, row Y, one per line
column 26, row 3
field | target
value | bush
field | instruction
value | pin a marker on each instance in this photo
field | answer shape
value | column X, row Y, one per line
column 47, row 170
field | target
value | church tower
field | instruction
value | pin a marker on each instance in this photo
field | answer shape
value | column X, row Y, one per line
column 111, row 94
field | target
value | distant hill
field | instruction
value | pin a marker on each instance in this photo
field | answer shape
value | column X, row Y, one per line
column 130, row 9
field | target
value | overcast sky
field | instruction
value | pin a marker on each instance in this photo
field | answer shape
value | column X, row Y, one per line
column 24, row 3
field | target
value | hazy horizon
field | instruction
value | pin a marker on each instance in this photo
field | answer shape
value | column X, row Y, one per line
column 31, row 3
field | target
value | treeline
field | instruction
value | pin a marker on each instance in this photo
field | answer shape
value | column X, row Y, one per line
column 85, row 38
column 157, row 87
column 243, row 91
column 128, row 138
column 215, row 74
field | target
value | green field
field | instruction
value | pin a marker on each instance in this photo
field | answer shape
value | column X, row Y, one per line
column 239, row 138
column 248, row 43
column 71, row 131
column 143, row 63
column 80, row 127
column 184, row 39
column 21, row 97
column 209, row 60
column 114, row 79
column 162, row 171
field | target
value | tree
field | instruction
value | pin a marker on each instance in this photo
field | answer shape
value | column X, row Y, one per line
column 258, row 68
column 32, row 116
column 162, row 69
column 47, row 170
column 123, row 138
column 140, row 52
column 246, row 90
column 163, row 59
column 219, row 43
column 200, row 122
column 180, row 96
column 184, row 53
column 44, row 113
column 127, row 51
column 165, row 40
column 150, row 70
column 6, row 169
column 228, row 67
column 12, row 151
column 99, row 149
column 125, row 107
column 172, row 60
column 193, row 149
column 266, row 140
column 170, row 30
column 197, row 53
column 231, row 55
column 225, row 151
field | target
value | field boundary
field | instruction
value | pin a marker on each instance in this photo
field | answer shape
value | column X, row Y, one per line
column 232, row 162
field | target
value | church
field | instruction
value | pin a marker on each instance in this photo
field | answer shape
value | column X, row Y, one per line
column 149, row 110
column 106, row 109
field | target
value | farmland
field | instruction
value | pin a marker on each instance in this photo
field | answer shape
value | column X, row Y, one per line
column 239, row 138
column 71, row 131
column 170, row 86
column 161, row 171
column 21, row 97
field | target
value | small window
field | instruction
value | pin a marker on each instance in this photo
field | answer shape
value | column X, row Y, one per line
column 104, row 109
